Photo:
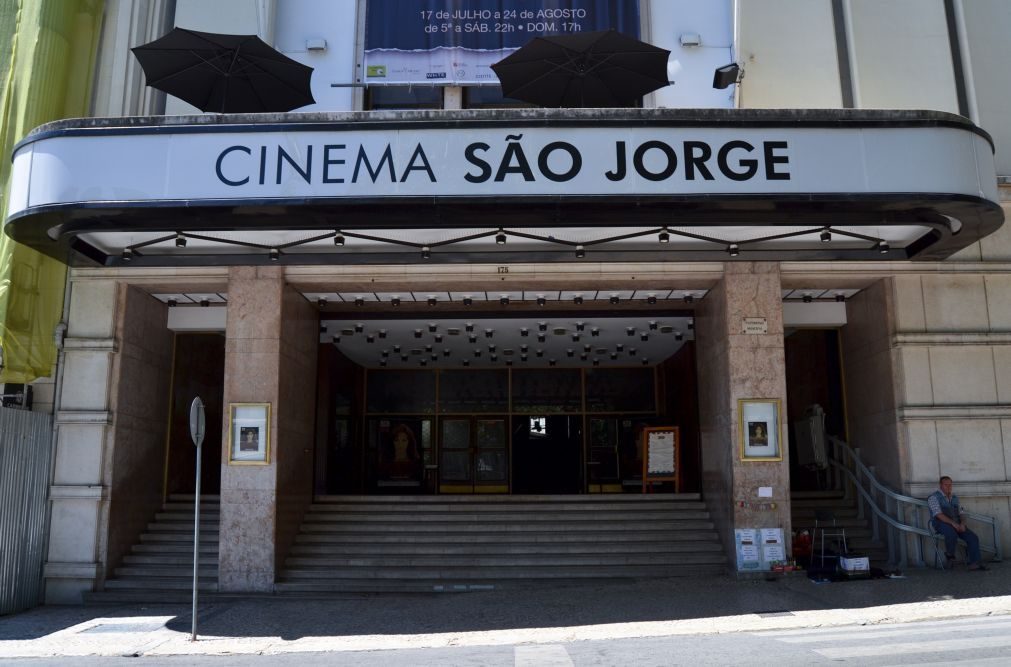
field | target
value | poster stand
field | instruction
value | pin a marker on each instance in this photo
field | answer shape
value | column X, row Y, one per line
column 661, row 450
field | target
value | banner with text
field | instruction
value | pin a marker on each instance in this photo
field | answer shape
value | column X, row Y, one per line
column 454, row 42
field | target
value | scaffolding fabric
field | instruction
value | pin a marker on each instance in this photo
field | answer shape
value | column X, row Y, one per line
column 47, row 57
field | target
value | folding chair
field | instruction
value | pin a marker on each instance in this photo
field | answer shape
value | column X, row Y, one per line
column 940, row 555
column 825, row 527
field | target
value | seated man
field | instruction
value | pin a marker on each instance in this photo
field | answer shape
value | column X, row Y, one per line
column 947, row 520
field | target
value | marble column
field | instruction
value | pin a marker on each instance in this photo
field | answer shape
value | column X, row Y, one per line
column 734, row 365
column 270, row 357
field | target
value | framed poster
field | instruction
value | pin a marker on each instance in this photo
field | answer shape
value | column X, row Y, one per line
column 249, row 433
column 660, row 449
column 759, row 428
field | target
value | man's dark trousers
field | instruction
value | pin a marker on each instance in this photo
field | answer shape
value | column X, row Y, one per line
column 951, row 537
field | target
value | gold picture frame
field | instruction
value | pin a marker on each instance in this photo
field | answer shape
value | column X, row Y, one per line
column 760, row 429
column 248, row 434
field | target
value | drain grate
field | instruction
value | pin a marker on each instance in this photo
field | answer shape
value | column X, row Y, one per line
column 147, row 626
column 773, row 613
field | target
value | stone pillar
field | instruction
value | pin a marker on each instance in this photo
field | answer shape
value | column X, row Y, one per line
column 270, row 357
column 733, row 365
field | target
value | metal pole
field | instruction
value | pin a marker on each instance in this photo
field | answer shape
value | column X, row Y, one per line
column 196, row 546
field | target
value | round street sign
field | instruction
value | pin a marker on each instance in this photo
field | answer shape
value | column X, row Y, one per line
column 198, row 424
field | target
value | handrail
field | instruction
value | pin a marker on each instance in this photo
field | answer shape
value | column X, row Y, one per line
column 902, row 514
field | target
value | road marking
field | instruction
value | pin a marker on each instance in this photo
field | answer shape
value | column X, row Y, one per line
column 968, row 622
column 1002, row 660
column 548, row 655
column 828, row 635
column 937, row 646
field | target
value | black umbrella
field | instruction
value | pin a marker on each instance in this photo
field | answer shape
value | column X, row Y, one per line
column 583, row 69
column 225, row 73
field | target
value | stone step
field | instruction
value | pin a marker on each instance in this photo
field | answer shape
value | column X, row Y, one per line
column 425, row 508
column 823, row 503
column 188, row 507
column 187, row 517
column 504, row 517
column 500, row 499
column 500, row 572
column 182, row 527
column 441, row 562
column 208, row 584
column 829, row 494
column 497, row 537
column 161, row 558
column 334, row 586
column 206, row 538
column 207, row 549
column 168, row 572
column 497, row 548
column 599, row 527
column 841, row 511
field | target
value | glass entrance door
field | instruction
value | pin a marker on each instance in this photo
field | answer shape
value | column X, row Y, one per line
column 473, row 455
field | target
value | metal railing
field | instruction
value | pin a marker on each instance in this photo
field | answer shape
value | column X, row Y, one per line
column 904, row 520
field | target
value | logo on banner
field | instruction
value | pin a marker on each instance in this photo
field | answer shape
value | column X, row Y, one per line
column 376, row 71
column 435, row 75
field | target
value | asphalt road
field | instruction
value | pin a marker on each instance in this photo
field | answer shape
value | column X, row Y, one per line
column 984, row 641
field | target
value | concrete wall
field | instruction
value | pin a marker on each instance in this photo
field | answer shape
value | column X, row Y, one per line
column 789, row 54
column 903, row 57
column 120, row 88
column 927, row 360
column 141, row 380
column 988, row 23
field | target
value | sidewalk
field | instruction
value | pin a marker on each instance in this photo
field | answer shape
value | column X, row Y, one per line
column 546, row 614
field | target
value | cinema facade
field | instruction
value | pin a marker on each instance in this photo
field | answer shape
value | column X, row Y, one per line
column 498, row 302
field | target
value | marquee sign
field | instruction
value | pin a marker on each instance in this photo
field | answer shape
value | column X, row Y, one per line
column 522, row 169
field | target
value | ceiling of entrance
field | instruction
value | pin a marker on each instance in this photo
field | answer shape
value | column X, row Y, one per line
column 521, row 329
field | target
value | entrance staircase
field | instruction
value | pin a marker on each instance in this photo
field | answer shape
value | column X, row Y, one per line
column 159, row 568
column 457, row 543
column 859, row 535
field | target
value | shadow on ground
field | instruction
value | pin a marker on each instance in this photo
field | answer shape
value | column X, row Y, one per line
column 528, row 608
